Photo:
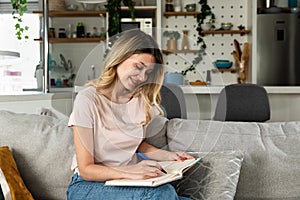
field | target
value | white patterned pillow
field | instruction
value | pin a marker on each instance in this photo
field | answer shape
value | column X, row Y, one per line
column 214, row 178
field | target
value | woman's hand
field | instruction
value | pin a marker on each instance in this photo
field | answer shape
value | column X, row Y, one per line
column 142, row 170
column 178, row 156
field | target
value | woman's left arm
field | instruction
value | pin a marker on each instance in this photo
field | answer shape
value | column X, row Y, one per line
column 161, row 155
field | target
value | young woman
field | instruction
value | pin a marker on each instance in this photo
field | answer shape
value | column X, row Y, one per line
column 109, row 120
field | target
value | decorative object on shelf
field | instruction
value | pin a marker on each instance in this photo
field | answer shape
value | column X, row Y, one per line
column 173, row 77
column 208, row 77
column 206, row 26
column 197, row 82
column 71, row 7
column 113, row 8
column 173, row 38
column 185, row 41
column 177, row 6
column 241, row 60
column 51, row 33
column 80, row 32
column 241, row 27
column 226, row 25
column 91, row 4
column 62, row 33
column 169, row 7
column 223, row 64
column 201, row 19
column 190, row 7
column 19, row 8
column 57, row 5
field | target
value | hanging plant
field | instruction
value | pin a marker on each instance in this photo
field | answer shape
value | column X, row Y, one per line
column 205, row 15
column 113, row 7
column 19, row 8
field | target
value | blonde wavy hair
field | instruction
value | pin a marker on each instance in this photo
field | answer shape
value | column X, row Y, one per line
column 129, row 43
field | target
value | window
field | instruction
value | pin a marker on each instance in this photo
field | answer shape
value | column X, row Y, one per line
column 18, row 74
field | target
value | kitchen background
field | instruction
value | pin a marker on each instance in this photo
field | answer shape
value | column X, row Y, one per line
column 219, row 46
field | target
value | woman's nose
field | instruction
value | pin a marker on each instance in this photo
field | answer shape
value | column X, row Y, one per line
column 142, row 77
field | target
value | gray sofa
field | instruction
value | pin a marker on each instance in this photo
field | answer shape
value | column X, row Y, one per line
column 241, row 160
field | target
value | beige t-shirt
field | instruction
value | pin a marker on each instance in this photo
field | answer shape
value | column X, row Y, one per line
column 117, row 128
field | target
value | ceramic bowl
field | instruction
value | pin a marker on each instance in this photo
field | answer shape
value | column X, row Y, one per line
column 89, row 6
column 222, row 64
column 226, row 26
column 206, row 26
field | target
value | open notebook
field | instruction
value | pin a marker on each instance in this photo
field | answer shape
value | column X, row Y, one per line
column 174, row 170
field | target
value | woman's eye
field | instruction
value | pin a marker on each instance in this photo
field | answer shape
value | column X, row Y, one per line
column 139, row 67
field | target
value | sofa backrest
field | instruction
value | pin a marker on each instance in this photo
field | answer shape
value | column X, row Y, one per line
column 270, row 169
column 42, row 147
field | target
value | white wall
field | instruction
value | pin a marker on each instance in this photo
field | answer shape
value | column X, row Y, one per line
column 56, row 104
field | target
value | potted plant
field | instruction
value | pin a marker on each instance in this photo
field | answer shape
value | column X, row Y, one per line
column 172, row 41
column 19, row 8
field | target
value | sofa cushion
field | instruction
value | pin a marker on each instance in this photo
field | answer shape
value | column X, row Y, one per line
column 43, row 150
column 11, row 181
column 271, row 163
column 156, row 132
column 216, row 177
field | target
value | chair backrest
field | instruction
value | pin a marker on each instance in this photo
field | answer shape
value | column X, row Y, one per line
column 173, row 101
column 243, row 102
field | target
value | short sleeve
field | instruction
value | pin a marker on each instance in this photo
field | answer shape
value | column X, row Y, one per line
column 82, row 114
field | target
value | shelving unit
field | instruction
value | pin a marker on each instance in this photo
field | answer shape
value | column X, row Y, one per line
column 74, row 13
column 241, row 32
column 231, row 70
column 179, row 51
column 168, row 14
column 73, row 40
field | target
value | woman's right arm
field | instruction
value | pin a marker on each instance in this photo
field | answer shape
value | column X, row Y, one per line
column 95, row 172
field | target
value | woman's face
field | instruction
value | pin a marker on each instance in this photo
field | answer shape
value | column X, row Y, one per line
column 135, row 70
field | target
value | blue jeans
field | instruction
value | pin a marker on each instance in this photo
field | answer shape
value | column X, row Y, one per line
column 81, row 189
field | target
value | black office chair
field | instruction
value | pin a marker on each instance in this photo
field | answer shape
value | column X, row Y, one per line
column 173, row 101
column 243, row 102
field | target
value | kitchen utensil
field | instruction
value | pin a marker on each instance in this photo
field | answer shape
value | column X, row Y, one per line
column 63, row 62
column 70, row 65
column 237, row 49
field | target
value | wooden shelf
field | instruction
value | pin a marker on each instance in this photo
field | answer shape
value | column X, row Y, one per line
column 242, row 32
column 232, row 70
column 168, row 14
column 74, row 13
column 179, row 51
column 73, row 40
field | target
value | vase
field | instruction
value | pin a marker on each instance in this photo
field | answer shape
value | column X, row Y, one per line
column 185, row 41
column 172, row 44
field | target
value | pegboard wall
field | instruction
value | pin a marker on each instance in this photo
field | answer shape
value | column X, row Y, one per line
column 219, row 46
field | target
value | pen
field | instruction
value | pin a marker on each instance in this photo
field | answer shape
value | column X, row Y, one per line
column 146, row 158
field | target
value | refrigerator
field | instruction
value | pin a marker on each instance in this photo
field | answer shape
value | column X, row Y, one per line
column 278, row 49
